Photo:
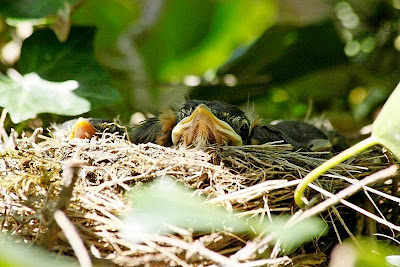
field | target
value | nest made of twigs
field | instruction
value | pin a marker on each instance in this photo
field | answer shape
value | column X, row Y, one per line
column 252, row 180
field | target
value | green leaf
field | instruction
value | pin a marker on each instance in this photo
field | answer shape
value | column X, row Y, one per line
column 168, row 202
column 30, row 95
column 111, row 17
column 13, row 254
column 32, row 8
column 171, row 41
column 386, row 127
column 300, row 90
column 299, row 233
column 282, row 54
column 73, row 60
column 184, row 42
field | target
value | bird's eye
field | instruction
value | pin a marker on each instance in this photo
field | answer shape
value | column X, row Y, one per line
column 244, row 129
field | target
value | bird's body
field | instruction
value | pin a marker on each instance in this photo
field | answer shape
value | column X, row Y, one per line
column 198, row 124
column 195, row 124
column 301, row 135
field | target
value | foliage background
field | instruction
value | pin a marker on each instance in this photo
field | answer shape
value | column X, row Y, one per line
column 275, row 58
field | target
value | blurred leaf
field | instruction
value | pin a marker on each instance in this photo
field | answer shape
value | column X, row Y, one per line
column 321, row 86
column 73, row 60
column 166, row 201
column 32, row 8
column 367, row 253
column 280, row 55
column 30, row 95
column 111, row 17
column 185, row 42
column 114, row 47
column 387, row 124
column 375, row 97
column 168, row 41
column 393, row 260
column 13, row 254
column 302, row 12
column 298, row 233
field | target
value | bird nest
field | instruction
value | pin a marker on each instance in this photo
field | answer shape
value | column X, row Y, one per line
column 251, row 180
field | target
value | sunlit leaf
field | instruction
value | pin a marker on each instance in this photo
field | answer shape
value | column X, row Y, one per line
column 73, row 60
column 184, row 42
column 168, row 202
column 13, row 254
column 386, row 126
column 30, row 95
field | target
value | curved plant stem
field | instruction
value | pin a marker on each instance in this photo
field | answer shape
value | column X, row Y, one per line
column 314, row 174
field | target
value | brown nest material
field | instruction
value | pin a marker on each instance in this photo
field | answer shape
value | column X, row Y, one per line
column 252, row 180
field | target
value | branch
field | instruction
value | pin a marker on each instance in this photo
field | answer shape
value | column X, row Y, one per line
column 70, row 175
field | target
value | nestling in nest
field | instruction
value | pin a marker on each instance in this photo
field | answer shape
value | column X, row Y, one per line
column 249, row 178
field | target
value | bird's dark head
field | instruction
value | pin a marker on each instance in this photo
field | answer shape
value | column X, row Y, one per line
column 200, row 123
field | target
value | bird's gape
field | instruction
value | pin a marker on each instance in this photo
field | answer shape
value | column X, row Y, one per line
column 201, row 135
column 202, row 128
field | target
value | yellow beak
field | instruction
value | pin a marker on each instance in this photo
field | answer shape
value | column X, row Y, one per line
column 82, row 129
column 202, row 127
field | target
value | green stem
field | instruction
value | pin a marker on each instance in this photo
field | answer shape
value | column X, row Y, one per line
column 314, row 174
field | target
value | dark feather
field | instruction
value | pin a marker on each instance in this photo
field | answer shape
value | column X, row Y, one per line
column 149, row 131
column 299, row 134
column 261, row 134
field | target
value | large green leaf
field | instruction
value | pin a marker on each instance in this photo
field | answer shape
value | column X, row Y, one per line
column 32, row 8
column 165, row 201
column 282, row 54
column 168, row 202
column 30, row 95
column 386, row 127
column 73, row 60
